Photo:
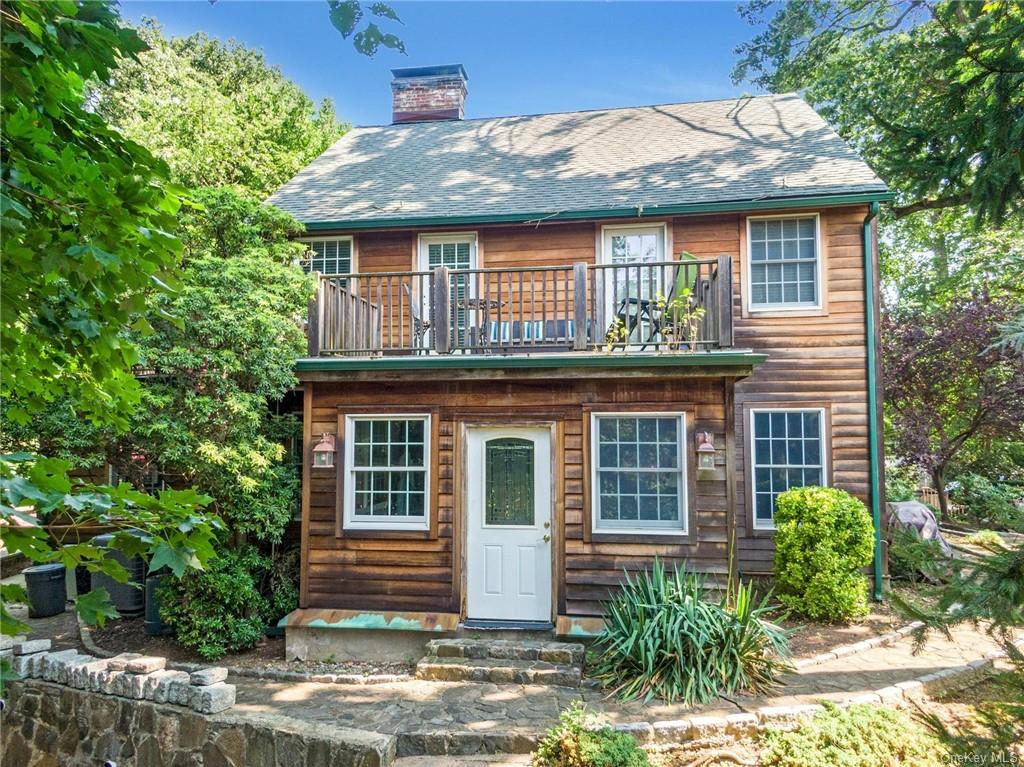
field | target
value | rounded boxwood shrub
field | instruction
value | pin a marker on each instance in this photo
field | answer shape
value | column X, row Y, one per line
column 823, row 538
column 220, row 609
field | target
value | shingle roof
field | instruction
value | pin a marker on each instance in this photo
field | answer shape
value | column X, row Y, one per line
column 754, row 148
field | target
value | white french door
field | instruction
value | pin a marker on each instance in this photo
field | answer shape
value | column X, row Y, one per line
column 509, row 534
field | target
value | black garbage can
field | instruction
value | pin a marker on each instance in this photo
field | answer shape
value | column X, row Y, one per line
column 83, row 580
column 155, row 625
column 47, row 592
column 129, row 598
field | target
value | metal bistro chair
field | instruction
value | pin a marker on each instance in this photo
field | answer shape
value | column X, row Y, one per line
column 644, row 311
column 420, row 326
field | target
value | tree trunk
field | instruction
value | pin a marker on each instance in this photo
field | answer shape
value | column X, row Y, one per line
column 939, row 483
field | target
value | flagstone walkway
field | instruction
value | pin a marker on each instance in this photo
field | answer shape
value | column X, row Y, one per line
column 510, row 717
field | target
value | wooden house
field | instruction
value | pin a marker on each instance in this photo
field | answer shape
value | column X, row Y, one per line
column 547, row 349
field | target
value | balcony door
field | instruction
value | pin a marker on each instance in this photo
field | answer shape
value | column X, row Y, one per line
column 456, row 250
column 508, row 524
column 630, row 292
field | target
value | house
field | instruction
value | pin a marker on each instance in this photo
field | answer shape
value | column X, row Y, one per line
column 547, row 349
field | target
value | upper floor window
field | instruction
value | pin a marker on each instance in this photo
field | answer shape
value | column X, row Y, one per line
column 788, row 450
column 784, row 264
column 329, row 255
column 639, row 473
column 387, row 461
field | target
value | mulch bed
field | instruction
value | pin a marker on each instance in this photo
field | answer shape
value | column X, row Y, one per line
column 811, row 639
column 129, row 635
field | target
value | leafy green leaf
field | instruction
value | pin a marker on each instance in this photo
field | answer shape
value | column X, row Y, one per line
column 95, row 607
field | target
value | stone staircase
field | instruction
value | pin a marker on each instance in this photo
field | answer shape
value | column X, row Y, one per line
column 503, row 661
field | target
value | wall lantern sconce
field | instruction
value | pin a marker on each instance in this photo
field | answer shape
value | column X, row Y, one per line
column 705, row 451
column 323, row 452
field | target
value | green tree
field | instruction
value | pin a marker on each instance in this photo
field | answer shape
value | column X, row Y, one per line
column 217, row 113
column 931, row 92
column 86, row 215
column 204, row 418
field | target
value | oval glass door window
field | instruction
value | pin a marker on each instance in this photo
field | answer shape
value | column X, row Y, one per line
column 509, row 482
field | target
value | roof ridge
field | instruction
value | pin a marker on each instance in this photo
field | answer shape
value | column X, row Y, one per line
column 586, row 111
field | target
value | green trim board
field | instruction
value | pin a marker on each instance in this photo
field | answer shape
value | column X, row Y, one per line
column 637, row 211
column 548, row 361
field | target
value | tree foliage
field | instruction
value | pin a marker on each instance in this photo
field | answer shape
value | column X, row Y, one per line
column 86, row 215
column 949, row 383
column 204, row 418
column 931, row 92
column 217, row 113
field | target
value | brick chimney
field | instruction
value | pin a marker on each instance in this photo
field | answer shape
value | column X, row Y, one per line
column 422, row 94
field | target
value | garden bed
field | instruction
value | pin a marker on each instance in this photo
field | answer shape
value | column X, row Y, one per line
column 811, row 639
column 128, row 635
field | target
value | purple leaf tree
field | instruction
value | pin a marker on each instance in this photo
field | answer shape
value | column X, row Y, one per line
column 949, row 380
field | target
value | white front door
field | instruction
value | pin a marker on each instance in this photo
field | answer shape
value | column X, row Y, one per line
column 508, row 556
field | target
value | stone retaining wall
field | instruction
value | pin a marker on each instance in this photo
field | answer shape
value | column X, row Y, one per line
column 44, row 724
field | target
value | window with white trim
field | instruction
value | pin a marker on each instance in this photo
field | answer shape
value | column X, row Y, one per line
column 639, row 475
column 329, row 255
column 387, row 461
column 783, row 264
column 787, row 450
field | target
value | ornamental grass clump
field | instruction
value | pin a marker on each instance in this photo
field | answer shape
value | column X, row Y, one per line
column 663, row 639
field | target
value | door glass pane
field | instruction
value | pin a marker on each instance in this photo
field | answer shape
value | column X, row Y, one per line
column 508, row 482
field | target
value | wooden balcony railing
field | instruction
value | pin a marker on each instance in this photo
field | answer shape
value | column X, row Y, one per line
column 679, row 306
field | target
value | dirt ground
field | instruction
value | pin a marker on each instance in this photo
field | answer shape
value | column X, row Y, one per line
column 129, row 635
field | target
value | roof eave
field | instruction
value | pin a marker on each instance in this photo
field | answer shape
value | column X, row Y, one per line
column 778, row 203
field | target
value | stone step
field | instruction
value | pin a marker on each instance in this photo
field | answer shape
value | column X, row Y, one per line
column 566, row 653
column 498, row 671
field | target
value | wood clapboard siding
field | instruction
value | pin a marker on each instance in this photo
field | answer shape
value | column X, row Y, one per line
column 398, row 571
column 816, row 360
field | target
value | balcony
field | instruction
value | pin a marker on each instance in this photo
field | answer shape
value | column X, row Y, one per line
column 680, row 307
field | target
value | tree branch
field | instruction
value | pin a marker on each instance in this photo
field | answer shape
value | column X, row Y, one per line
column 935, row 203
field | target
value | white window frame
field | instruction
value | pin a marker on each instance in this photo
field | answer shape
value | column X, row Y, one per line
column 748, row 294
column 610, row 230
column 595, row 499
column 328, row 238
column 352, row 521
column 446, row 238
column 826, row 448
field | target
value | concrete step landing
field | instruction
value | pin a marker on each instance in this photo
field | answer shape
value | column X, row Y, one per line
column 503, row 661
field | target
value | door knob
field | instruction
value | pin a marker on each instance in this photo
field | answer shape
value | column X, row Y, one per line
column 547, row 538
column 547, row 525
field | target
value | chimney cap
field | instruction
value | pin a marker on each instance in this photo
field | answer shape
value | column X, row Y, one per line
column 439, row 70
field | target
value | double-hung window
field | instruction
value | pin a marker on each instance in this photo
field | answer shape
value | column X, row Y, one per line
column 784, row 263
column 387, row 474
column 639, row 472
column 329, row 255
column 788, row 450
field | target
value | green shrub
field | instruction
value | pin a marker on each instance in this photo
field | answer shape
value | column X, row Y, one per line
column 217, row 610
column 988, row 503
column 823, row 538
column 913, row 558
column 661, row 638
column 574, row 742
column 858, row 736
column 283, row 591
column 900, row 483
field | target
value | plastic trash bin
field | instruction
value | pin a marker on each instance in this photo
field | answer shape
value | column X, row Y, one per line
column 128, row 598
column 154, row 624
column 47, row 591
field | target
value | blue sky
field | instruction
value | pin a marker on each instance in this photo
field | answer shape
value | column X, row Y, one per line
column 521, row 57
